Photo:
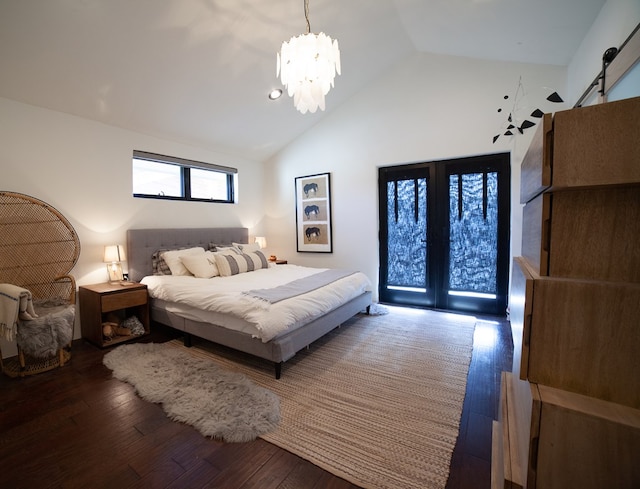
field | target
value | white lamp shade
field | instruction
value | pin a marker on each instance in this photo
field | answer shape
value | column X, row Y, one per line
column 114, row 253
column 262, row 241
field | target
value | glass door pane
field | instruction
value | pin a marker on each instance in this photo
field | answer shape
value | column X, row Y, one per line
column 473, row 235
column 406, row 235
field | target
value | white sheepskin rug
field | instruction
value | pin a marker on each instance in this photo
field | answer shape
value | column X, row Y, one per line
column 224, row 405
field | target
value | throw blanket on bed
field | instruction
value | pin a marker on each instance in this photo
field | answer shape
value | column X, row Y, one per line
column 300, row 286
column 15, row 302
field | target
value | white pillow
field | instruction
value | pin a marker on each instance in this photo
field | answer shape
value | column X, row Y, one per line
column 172, row 258
column 201, row 265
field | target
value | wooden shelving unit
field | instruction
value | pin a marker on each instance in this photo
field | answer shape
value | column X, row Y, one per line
column 570, row 408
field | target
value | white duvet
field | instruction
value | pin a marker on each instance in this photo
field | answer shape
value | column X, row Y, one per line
column 225, row 295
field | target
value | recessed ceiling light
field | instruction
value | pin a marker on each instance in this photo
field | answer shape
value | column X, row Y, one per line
column 275, row 94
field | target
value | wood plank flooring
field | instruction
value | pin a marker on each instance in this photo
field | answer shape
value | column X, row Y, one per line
column 77, row 427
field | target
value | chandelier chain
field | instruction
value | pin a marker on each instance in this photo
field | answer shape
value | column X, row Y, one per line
column 306, row 15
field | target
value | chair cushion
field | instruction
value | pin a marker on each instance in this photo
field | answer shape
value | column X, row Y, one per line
column 43, row 336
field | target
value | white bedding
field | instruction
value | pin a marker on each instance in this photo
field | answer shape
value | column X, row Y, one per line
column 225, row 295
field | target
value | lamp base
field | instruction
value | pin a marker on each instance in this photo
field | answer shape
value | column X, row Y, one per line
column 115, row 272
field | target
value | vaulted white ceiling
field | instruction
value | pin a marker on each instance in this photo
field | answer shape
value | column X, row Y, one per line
column 199, row 71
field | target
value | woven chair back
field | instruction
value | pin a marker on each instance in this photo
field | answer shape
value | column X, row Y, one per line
column 38, row 247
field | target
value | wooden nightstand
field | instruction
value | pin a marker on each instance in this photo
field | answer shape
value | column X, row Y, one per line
column 106, row 302
column 281, row 262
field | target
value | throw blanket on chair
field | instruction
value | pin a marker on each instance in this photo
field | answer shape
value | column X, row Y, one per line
column 15, row 303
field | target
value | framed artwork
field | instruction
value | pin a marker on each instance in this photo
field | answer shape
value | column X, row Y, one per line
column 313, row 213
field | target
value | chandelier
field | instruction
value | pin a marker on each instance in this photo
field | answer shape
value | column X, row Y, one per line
column 307, row 65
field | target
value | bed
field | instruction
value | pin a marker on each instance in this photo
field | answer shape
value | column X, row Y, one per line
column 225, row 328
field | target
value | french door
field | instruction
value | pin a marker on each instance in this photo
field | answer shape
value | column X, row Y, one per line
column 444, row 234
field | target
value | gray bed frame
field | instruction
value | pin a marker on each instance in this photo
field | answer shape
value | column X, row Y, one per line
column 142, row 243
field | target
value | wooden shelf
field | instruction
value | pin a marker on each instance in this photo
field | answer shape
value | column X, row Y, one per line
column 120, row 339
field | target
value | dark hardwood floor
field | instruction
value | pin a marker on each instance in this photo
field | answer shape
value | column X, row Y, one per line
column 77, row 427
column 492, row 354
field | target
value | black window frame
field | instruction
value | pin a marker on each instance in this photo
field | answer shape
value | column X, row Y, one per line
column 185, row 166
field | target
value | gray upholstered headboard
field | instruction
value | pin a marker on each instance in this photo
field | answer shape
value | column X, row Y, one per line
column 142, row 243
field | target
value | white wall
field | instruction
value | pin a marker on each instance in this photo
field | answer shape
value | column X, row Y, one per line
column 614, row 24
column 428, row 108
column 83, row 169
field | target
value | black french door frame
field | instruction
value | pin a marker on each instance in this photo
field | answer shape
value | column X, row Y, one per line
column 395, row 174
column 437, row 238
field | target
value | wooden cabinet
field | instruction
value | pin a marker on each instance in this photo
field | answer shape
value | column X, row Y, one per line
column 581, row 335
column 570, row 440
column 584, row 233
column 535, row 171
column 570, row 408
column 113, row 303
column 584, row 147
column 597, row 145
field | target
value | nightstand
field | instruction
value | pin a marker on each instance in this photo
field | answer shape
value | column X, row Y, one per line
column 281, row 262
column 101, row 303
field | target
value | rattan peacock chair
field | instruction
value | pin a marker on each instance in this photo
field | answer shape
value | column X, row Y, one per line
column 38, row 249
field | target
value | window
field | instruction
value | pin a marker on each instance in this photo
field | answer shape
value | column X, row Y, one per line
column 167, row 177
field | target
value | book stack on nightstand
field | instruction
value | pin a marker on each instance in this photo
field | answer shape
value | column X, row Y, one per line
column 104, row 308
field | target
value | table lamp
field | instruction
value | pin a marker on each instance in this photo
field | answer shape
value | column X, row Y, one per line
column 113, row 256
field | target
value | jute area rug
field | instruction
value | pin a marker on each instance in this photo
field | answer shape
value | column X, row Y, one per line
column 377, row 402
